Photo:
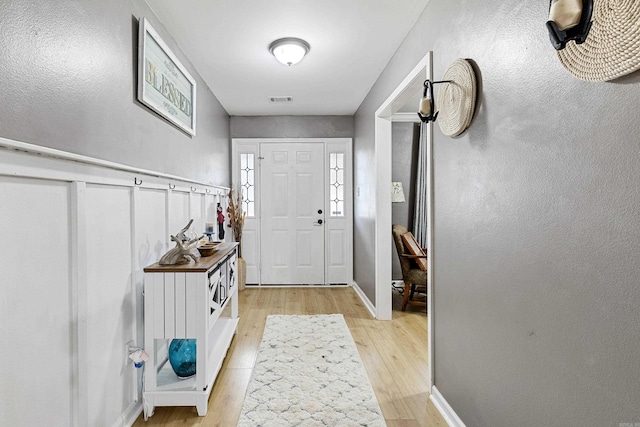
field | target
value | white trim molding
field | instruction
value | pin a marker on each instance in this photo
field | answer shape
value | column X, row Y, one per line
column 384, row 116
column 452, row 419
column 430, row 249
column 91, row 161
column 367, row 303
column 405, row 117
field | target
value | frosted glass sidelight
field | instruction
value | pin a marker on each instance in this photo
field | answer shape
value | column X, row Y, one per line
column 247, row 183
column 336, row 184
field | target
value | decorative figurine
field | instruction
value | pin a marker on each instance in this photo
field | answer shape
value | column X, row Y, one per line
column 184, row 251
column 220, row 223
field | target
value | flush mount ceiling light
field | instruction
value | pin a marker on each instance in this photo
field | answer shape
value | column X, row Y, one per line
column 289, row 50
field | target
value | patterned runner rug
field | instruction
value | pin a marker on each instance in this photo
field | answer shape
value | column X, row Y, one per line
column 308, row 373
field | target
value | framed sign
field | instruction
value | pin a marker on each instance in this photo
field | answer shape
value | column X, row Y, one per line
column 164, row 85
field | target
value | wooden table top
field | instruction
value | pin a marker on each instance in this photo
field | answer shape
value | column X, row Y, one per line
column 204, row 263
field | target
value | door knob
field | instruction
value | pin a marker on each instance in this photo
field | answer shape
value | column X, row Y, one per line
column 319, row 211
column 319, row 221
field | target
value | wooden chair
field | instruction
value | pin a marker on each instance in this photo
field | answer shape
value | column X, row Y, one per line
column 413, row 261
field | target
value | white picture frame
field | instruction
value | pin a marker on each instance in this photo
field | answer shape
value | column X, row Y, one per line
column 164, row 84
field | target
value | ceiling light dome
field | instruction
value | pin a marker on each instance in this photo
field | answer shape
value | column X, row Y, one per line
column 289, row 50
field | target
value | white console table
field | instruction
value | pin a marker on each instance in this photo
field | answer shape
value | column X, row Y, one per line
column 186, row 301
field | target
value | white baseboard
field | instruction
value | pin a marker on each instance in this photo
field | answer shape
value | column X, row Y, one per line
column 131, row 414
column 367, row 303
column 447, row 412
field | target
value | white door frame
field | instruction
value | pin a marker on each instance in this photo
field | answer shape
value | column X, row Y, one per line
column 347, row 144
column 384, row 116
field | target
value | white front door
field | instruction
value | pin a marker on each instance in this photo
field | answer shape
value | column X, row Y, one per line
column 292, row 214
column 288, row 185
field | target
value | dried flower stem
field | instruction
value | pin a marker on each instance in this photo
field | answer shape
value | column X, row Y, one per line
column 236, row 216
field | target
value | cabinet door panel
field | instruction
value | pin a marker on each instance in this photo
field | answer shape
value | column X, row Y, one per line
column 233, row 271
column 214, row 297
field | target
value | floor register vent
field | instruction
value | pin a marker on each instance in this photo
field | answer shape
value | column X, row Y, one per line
column 280, row 99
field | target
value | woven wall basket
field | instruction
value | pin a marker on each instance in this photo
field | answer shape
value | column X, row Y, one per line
column 612, row 48
column 457, row 100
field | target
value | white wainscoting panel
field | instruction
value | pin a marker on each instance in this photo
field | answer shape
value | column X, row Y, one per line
column 211, row 213
column 150, row 243
column 150, row 223
column 178, row 212
column 35, row 307
column 196, row 212
column 110, row 299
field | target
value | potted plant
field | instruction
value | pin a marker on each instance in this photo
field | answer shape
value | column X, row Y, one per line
column 236, row 222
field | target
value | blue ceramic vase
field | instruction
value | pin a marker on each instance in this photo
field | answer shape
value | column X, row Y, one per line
column 182, row 357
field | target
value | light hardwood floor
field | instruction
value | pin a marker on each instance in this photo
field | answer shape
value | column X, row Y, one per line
column 394, row 354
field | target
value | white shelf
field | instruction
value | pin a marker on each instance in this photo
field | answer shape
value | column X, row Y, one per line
column 220, row 338
column 223, row 331
column 169, row 381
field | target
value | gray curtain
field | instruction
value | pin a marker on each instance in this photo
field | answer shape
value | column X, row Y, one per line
column 420, row 225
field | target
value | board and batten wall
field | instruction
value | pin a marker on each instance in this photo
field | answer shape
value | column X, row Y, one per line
column 537, row 225
column 72, row 298
column 76, row 237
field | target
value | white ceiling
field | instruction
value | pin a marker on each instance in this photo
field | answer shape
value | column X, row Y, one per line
column 227, row 42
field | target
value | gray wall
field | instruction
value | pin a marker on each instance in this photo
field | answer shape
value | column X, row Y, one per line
column 291, row 126
column 537, row 232
column 68, row 82
column 404, row 153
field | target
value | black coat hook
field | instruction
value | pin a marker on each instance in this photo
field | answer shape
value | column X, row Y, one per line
column 559, row 38
column 427, row 96
column 135, row 181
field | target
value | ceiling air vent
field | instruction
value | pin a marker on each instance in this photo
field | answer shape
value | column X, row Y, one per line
column 280, row 99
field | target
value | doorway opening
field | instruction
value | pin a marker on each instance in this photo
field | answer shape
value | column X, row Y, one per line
column 388, row 112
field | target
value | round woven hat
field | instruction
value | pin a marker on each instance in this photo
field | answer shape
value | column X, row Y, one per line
column 612, row 48
column 457, row 100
